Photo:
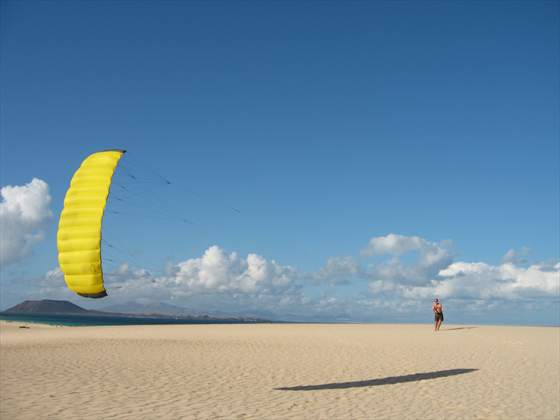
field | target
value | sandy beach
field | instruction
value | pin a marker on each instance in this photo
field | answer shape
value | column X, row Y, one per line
column 279, row 371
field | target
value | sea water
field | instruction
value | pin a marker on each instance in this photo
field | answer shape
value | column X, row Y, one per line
column 91, row 320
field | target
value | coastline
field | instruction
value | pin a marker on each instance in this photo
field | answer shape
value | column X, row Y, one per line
column 138, row 321
column 108, row 320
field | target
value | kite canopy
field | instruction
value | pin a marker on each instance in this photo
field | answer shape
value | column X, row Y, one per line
column 79, row 228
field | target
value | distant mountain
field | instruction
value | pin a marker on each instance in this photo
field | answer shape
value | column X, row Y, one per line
column 63, row 307
column 161, row 308
column 46, row 306
column 150, row 308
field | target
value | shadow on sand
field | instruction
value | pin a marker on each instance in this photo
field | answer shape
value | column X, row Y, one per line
column 381, row 381
column 458, row 328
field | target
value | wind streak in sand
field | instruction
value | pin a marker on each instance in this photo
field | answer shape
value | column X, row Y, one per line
column 382, row 381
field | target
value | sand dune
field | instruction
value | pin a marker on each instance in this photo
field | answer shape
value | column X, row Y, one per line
column 279, row 371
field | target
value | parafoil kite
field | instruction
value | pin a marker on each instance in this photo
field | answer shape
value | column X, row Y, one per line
column 79, row 228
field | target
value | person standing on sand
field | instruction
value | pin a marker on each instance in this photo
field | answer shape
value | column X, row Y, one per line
column 437, row 307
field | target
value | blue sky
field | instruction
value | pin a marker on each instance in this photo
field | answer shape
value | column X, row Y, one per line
column 326, row 124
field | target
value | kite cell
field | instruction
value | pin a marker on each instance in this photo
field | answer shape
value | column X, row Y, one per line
column 79, row 228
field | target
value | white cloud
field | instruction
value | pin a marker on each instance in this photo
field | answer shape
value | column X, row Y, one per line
column 430, row 258
column 393, row 244
column 406, row 284
column 24, row 211
column 476, row 282
column 53, row 285
column 338, row 271
column 218, row 271
column 516, row 256
column 222, row 281
column 123, row 284
column 505, row 281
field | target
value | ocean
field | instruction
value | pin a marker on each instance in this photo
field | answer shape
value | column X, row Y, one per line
column 92, row 320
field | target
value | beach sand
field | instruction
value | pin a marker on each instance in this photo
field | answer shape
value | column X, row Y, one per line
column 279, row 371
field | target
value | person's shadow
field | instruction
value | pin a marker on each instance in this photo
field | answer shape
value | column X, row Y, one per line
column 390, row 380
column 458, row 328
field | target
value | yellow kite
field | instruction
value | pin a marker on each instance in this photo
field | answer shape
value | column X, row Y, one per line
column 79, row 228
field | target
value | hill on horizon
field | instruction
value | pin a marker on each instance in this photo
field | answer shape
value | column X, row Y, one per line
column 136, row 308
column 46, row 306
column 63, row 307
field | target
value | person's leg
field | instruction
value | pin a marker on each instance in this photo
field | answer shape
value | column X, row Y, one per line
column 440, row 320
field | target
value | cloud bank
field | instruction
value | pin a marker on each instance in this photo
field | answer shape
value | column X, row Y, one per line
column 24, row 212
column 217, row 280
column 221, row 272
column 428, row 259
column 398, row 274
column 433, row 273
